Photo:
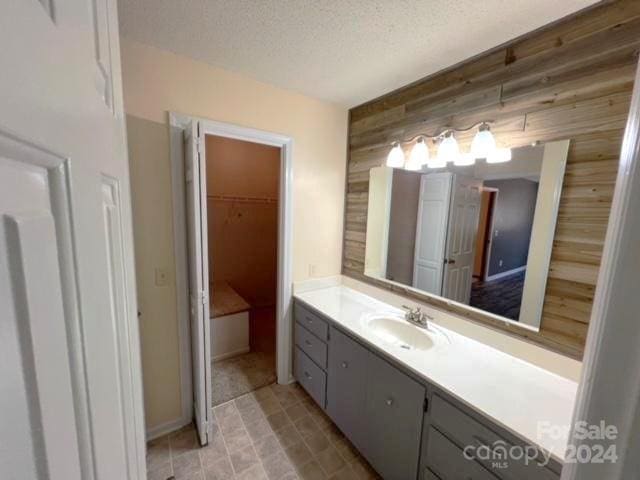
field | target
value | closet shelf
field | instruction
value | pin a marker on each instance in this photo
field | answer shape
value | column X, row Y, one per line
column 242, row 199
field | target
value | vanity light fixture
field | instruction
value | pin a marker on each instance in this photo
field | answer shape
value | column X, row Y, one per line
column 419, row 156
column 395, row 159
column 482, row 146
column 500, row 155
column 464, row 159
column 483, row 143
column 448, row 151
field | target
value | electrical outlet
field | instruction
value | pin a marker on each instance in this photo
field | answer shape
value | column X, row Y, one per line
column 500, row 263
column 162, row 277
column 312, row 270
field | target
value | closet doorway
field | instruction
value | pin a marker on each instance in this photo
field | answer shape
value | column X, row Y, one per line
column 232, row 230
column 242, row 180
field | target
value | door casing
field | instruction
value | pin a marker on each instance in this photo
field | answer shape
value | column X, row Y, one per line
column 284, row 363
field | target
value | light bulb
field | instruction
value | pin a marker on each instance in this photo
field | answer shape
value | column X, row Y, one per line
column 436, row 162
column 419, row 156
column 395, row 159
column 483, row 144
column 448, row 150
column 464, row 159
column 500, row 155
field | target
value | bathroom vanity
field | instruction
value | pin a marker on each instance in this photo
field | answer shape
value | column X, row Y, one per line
column 412, row 400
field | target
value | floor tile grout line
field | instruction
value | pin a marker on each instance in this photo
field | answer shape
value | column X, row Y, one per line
column 286, row 399
column 224, row 440
column 244, row 424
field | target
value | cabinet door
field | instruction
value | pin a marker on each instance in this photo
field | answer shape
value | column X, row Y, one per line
column 394, row 420
column 346, row 388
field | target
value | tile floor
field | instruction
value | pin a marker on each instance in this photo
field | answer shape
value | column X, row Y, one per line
column 276, row 432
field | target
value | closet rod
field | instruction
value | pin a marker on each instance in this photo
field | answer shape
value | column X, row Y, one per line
column 242, row 199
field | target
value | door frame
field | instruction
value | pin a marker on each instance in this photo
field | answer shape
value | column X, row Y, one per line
column 487, row 249
column 611, row 356
column 177, row 123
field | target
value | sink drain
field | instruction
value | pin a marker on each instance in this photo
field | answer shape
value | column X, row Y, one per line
column 406, row 347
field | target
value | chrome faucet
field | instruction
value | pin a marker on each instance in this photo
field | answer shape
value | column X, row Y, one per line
column 417, row 317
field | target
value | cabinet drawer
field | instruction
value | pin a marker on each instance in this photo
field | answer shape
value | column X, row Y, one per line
column 467, row 431
column 311, row 345
column 310, row 376
column 448, row 461
column 312, row 321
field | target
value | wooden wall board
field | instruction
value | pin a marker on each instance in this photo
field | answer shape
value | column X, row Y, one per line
column 572, row 79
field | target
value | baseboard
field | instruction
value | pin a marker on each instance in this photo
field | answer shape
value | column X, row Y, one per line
column 506, row 274
column 167, row 427
column 289, row 381
column 231, row 354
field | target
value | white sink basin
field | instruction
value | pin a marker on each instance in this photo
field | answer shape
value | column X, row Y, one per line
column 395, row 330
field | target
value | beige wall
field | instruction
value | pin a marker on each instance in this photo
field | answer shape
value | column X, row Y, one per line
column 156, row 82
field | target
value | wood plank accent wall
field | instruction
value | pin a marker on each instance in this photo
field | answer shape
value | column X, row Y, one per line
column 572, row 80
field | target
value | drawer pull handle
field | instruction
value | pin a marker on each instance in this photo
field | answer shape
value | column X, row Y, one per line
column 309, row 319
column 306, row 374
column 389, row 401
column 345, row 365
column 307, row 342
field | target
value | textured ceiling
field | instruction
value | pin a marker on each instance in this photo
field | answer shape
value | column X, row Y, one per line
column 344, row 51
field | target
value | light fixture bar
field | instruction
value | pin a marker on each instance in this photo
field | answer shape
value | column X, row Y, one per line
column 442, row 133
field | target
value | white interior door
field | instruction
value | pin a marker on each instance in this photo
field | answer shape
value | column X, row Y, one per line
column 461, row 238
column 70, row 395
column 196, row 193
column 431, row 231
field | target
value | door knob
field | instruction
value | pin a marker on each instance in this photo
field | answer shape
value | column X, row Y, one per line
column 345, row 364
column 389, row 401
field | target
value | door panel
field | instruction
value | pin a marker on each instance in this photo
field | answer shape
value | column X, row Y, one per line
column 37, row 396
column 346, row 387
column 431, row 231
column 395, row 404
column 196, row 193
column 67, row 278
column 461, row 238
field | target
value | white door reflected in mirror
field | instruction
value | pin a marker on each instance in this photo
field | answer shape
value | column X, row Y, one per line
column 479, row 235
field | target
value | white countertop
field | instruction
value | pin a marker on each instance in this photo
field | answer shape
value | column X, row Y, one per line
column 510, row 392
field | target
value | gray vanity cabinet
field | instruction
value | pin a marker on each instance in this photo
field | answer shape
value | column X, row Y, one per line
column 394, row 410
column 346, row 387
column 378, row 407
column 450, row 428
column 448, row 460
column 382, row 410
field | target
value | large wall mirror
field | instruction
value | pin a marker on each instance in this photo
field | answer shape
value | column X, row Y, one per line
column 480, row 235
